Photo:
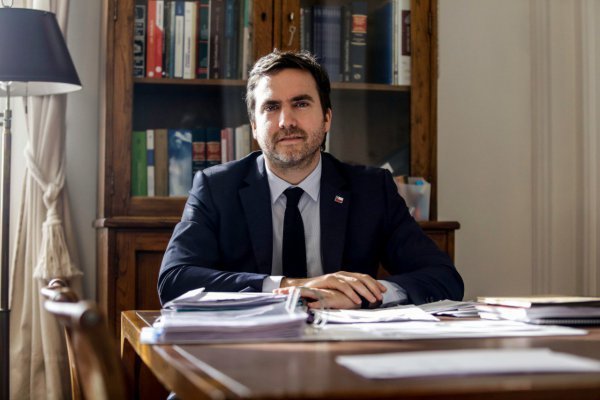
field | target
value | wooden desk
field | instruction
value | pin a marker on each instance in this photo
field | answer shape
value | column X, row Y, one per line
column 309, row 370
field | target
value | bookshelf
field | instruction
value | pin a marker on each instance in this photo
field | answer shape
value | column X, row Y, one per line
column 370, row 121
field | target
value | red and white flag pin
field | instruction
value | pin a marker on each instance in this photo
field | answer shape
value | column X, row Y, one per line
column 338, row 199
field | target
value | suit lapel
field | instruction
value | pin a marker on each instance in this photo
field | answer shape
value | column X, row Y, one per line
column 334, row 206
column 256, row 202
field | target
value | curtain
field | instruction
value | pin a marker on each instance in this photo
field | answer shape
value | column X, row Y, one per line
column 44, row 247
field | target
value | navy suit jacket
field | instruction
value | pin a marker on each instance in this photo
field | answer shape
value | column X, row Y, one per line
column 224, row 240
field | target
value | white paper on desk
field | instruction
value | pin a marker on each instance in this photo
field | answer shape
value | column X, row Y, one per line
column 438, row 330
column 461, row 362
column 391, row 314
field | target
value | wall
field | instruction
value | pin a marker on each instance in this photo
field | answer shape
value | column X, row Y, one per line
column 517, row 149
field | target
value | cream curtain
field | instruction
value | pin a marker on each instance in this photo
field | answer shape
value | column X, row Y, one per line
column 44, row 246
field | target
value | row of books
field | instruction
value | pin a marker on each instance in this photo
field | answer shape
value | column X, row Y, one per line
column 358, row 45
column 164, row 161
column 192, row 39
column 212, row 39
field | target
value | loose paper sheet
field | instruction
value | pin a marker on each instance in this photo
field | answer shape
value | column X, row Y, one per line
column 460, row 362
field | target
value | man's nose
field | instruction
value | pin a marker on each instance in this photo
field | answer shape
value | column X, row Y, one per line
column 287, row 118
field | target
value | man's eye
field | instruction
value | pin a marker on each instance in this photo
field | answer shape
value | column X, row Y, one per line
column 270, row 107
column 302, row 104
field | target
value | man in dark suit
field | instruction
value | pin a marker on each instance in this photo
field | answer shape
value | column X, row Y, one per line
column 247, row 227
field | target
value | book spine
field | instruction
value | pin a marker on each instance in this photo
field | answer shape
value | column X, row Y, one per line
column 139, row 173
column 213, row 147
column 154, row 39
column 404, row 74
column 190, row 40
column 242, row 141
column 246, row 39
column 306, row 26
column 230, row 64
column 346, row 32
column 381, row 45
column 161, row 163
column 203, row 39
column 198, row 150
column 169, row 47
column 139, row 40
column 180, row 161
column 179, row 33
column 358, row 41
column 150, row 162
column 226, row 134
column 217, row 14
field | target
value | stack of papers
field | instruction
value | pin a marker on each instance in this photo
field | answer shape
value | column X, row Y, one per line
column 555, row 310
column 450, row 308
column 200, row 300
column 391, row 314
column 201, row 317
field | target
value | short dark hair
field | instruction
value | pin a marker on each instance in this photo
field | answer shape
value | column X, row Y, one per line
column 280, row 60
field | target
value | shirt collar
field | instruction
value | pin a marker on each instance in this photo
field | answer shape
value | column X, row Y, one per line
column 311, row 184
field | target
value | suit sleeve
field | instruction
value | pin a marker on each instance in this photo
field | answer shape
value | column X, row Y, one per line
column 192, row 258
column 413, row 259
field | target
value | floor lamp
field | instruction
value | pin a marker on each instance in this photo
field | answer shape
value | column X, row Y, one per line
column 34, row 61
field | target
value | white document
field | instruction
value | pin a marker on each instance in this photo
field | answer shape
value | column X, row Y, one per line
column 392, row 314
column 460, row 362
column 201, row 300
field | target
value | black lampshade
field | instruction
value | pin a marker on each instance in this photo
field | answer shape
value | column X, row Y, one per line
column 34, row 55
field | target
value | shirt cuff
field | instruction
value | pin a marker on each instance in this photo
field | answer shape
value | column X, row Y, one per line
column 394, row 295
column 271, row 283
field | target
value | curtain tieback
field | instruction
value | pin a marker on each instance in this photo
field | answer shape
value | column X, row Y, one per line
column 54, row 259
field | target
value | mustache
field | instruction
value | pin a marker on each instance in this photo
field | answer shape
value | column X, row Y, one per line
column 285, row 133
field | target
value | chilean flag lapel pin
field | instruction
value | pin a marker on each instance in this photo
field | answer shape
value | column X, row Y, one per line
column 338, row 199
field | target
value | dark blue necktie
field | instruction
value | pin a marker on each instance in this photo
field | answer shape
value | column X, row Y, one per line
column 293, row 249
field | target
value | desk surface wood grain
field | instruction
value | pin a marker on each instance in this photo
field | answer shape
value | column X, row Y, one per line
column 309, row 370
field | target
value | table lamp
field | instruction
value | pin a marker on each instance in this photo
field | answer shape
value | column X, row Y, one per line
column 34, row 61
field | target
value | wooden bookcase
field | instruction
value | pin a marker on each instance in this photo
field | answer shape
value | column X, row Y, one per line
column 132, row 232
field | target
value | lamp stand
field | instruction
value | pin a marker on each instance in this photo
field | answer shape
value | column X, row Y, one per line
column 4, row 250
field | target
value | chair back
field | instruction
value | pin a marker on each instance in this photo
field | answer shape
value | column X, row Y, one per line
column 96, row 370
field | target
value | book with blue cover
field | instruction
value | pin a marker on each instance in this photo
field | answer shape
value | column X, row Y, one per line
column 180, row 161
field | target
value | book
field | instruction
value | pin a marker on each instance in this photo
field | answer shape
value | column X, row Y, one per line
column 139, row 173
column 161, row 163
column 545, row 309
column 306, row 29
column 169, row 40
column 231, row 39
column 154, row 39
column 180, row 161
column 243, row 136
column 380, row 45
column 150, row 161
column 213, row 146
column 190, row 40
column 358, row 41
column 227, row 145
column 139, row 40
column 203, row 39
column 198, row 150
column 331, row 38
column 346, row 30
column 247, row 59
column 217, row 15
column 179, row 33
column 403, row 47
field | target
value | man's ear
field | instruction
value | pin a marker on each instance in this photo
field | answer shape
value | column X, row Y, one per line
column 327, row 119
column 253, row 126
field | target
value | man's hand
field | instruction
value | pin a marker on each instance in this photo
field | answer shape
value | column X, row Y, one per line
column 350, row 284
column 322, row 298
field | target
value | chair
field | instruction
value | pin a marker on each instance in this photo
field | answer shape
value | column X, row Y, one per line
column 96, row 370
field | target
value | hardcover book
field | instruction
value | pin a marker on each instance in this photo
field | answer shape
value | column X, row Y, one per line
column 213, row 146
column 161, row 163
column 203, row 39
column 139, row 40
column 139, row 173
column 190, row 40
column 154, row 39
column 358, row 42
column 150, row 161
column 180, row 162
column 198, row 150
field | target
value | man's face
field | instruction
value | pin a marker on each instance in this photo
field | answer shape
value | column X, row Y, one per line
column 289, row 124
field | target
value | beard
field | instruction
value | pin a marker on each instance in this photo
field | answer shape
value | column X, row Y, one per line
column 297, row 155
